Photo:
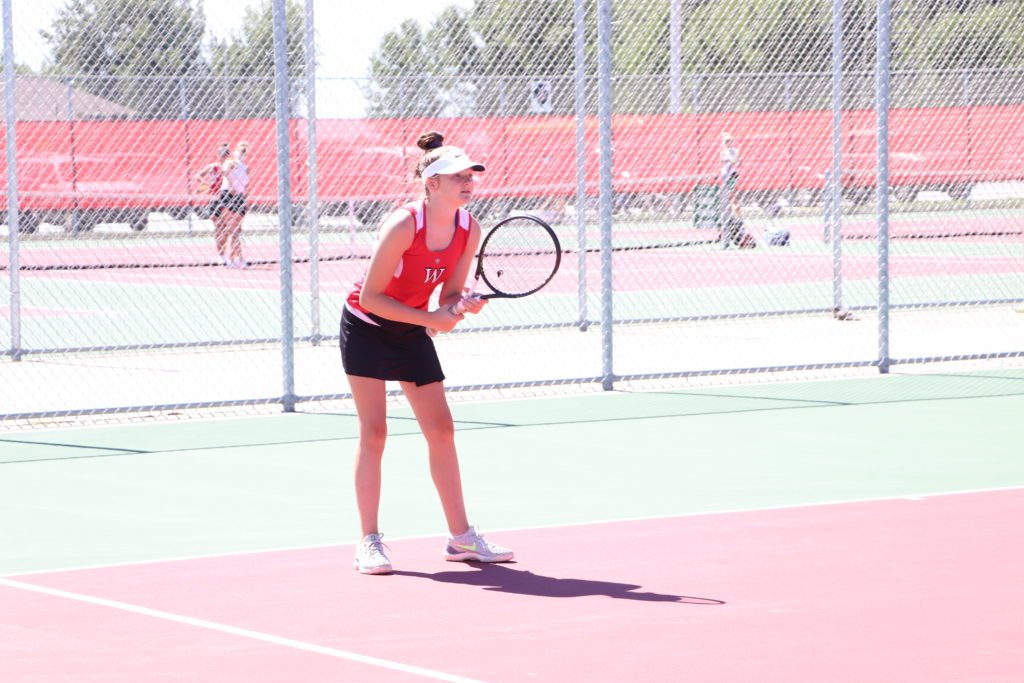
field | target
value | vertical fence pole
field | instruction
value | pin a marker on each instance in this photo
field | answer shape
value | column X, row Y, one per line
column 787, row 83
column 966, row 104
column 835, row 187
column 185, row 116
column 75, row 219
column 675, row 55
column 282, row 94
column 695, row 107
column 580, row 73
column 13, row 222
column 313, row 206
column 606, row 197
column 882, row 164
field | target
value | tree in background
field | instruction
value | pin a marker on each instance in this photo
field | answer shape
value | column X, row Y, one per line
column 960, row 34
column 148, row 55
column 139, row 53
column 481, row 61
column 403, row 80
column 242, row 67
column 474, row 62
column 497, row 48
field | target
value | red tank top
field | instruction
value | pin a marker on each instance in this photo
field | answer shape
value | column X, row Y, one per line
column 216, row 179
column 421, row 270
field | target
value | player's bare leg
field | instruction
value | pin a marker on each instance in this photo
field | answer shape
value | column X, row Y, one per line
column 430, row 406
column 371, row 405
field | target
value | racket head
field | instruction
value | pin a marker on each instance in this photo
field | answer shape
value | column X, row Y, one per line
column 518, row 257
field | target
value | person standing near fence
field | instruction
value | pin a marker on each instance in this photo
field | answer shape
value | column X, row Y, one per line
column 422, row 245
column 730, row 175
column 236, row 182
column 211, row 178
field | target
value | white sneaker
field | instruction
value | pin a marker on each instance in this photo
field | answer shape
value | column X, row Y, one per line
column 472, row 546
column 241, row 265
column 370, row 556
column 222, row 260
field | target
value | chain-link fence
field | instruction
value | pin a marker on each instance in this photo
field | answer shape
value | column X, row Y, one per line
column 684, row 152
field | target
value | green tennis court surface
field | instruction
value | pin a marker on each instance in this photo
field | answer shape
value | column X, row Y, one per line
column 804, row 531
column 104, row 284
column 133, row 492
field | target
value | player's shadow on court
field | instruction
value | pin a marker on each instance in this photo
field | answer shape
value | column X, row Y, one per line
column 505, row 579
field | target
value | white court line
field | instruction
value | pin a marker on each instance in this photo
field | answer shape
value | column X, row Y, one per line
column 233, row 630
column 569, row 525
column 383, row 663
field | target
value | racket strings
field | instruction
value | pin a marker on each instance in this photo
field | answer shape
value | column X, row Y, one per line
column 519, row 257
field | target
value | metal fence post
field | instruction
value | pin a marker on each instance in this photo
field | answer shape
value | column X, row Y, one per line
column 580, row 73
column 13, row 223
column 606, row 197
column 787, row 83
column 695, row 106
column 312, row 207
column 882, row 178
column 966, row 103
column 833, row 199
column 675, row 55
column 284, row 194
column 189, row 171
column 75, row 219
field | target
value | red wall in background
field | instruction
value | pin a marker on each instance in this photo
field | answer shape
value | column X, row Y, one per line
column 153, row 163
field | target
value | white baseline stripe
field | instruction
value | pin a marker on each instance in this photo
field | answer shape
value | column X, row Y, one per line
column 245, row 633
column 771, row 508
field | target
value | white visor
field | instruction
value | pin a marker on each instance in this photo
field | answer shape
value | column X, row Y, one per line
column 452, row 161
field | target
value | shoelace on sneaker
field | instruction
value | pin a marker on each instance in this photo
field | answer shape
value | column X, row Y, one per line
column 492, row 548
column 375, row 550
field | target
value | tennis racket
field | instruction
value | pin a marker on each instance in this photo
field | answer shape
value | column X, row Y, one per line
column 518, row 257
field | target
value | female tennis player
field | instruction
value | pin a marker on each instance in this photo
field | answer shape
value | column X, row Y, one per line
column 730, row 173
column 233, row 199
column 212, row 178
column 384, row 337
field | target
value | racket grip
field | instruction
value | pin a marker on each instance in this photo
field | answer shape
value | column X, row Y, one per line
column 460, row 307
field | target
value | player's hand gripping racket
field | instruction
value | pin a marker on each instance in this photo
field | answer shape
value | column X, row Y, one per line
column 517, row 258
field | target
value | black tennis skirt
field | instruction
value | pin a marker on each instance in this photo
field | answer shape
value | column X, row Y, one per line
column 226, row 199
column 395, row 351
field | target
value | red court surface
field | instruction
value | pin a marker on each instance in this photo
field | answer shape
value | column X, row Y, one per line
column 910, row 589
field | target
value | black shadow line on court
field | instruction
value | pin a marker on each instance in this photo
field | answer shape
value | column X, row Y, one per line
column 802, row 404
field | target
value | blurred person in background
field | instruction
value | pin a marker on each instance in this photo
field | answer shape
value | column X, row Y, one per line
column 211, row 179
column 730, row 175
column 236, row 182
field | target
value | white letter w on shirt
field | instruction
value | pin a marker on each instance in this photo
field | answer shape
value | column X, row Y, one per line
column 433, row 274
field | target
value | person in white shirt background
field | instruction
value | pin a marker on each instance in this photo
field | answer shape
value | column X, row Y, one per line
column 236, row 181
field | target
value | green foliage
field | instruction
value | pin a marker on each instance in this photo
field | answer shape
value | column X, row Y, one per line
column 133, row 52
column 401, row 71
column 472, row 62
column 527, row 37
column 480, row 61
column 640, row 46
column 493, row 50
column 987, row 36
column 774, row 36
column 148, row 55
column 243, row 66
